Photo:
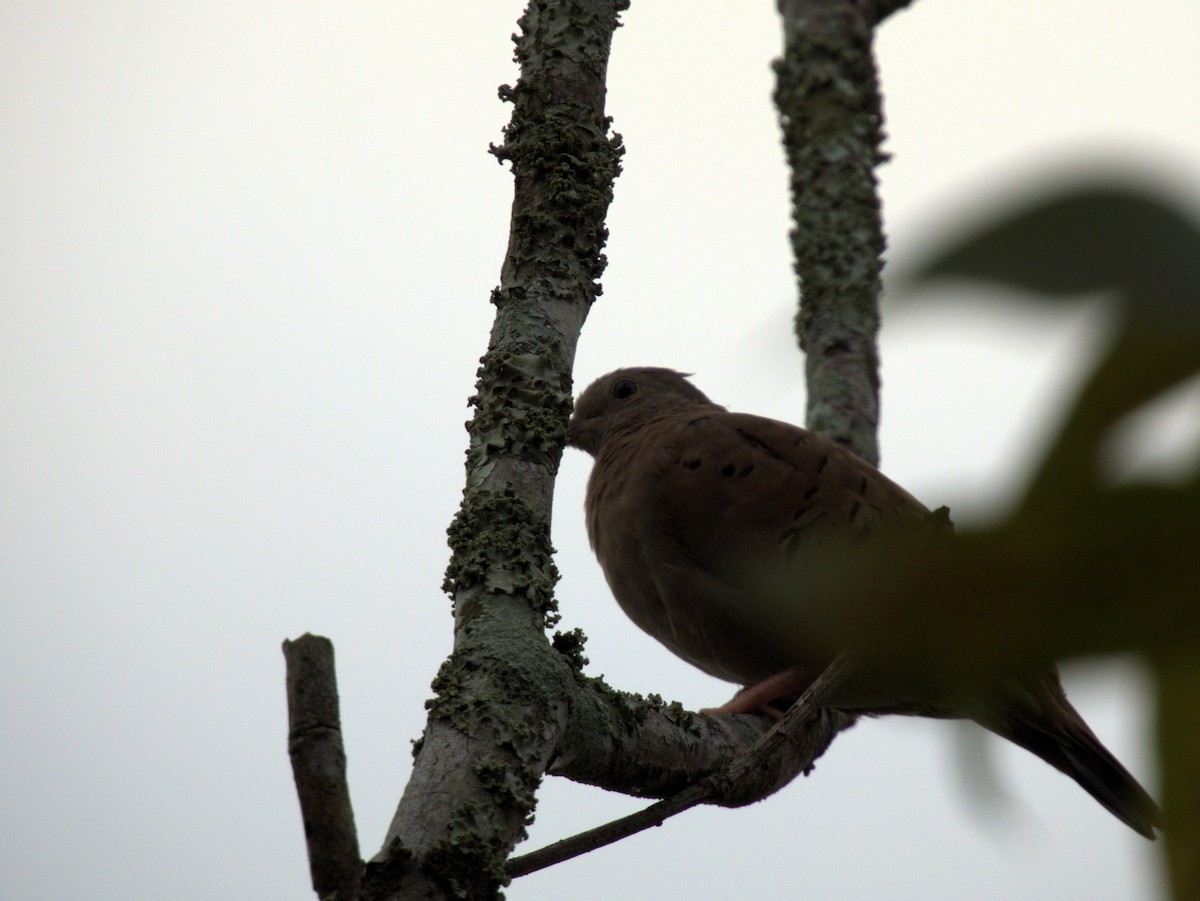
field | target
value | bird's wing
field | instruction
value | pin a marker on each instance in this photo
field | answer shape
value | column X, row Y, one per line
column 732, row 487
column 721, row 512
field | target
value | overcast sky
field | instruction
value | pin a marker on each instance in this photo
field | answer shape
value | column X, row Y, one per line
column 245, row 258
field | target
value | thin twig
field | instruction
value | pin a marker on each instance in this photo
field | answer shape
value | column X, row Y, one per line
column 718, row 785
column 319, row 767
column 654, row 815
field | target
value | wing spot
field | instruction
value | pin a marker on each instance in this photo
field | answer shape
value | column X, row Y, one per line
column 755, row 441
column 728, row 469
column 854, row 510
column 808, row 495
column 745, row 470
column 824, row 461
column 694, row 463
column 862, row 486
column 790, row 539
column 805, row 517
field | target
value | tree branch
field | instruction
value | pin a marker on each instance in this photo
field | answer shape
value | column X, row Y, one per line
column 319, row 768
column 884, row 8
column 789, row 747
column 614, row 831
column 831, row 114
column 503, row 695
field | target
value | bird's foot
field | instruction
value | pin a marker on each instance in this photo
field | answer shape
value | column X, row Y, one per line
column 757, row 698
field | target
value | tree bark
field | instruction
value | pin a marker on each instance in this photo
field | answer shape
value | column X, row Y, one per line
column 831, row 114
column 319, row 768
column 503, row 696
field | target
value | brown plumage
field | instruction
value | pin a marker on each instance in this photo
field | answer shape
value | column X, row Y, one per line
column 702, row 519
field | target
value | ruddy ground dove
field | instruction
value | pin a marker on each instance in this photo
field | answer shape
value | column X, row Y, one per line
column 702, row 519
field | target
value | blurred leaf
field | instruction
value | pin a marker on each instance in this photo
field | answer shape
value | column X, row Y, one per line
column 1117, row 573
column 1089, row 237
column 1095, row 236
column 1082, row 567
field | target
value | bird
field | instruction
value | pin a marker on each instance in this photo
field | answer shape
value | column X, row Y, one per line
column 702, row 520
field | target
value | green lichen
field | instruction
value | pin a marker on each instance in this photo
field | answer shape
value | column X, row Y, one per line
column 632, row 709
column 830, row 112
column 561, row 152
column 470, row 862
column 497, row 688
column 508, row 707
column 450, row 702
column 502, row 546
column 580, row 31
column 509, row 785
column 504, row 712
column 522, row 404
column 570, row 645
column 560, row 231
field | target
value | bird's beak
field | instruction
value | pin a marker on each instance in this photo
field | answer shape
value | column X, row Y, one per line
column 580, row 436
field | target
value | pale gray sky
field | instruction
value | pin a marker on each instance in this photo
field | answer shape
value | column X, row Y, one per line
column 245, row 257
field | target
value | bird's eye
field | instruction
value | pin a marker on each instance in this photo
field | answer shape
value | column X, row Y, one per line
column 624, row 388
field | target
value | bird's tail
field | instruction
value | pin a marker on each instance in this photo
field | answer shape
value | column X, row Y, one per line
column 1044, row 722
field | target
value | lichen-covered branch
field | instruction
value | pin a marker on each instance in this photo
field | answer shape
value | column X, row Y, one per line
column 830, row 111
column 502, row 697
column 733, row 772
column 649, row 749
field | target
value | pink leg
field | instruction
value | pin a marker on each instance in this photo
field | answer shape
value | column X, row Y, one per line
column 756, row 698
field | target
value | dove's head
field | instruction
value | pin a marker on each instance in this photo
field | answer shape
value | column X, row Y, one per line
column 626, row 397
